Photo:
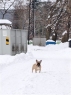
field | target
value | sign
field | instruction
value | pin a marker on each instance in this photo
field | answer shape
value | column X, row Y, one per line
column 7, row 40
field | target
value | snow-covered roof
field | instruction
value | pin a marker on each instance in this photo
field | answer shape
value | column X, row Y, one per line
column 50, row 41
column 5, row 22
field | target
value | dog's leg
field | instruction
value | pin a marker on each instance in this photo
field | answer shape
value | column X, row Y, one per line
column 40, row 70
column 35, row 71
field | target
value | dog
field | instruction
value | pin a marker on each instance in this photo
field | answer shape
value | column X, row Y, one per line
column 37, row 66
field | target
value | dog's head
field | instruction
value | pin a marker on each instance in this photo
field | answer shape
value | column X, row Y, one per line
column 38, row 63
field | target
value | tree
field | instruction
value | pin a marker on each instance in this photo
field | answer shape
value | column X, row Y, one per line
column 69, row 18
column 20, row 15
column 41, row 14
column 5, row 6
column 58, row 17
column 55, row 16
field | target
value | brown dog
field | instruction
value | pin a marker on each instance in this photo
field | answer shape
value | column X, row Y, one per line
column 37, row 66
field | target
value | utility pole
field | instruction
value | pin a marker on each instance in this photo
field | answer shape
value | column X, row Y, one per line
column 31, row 19
column 31, row 28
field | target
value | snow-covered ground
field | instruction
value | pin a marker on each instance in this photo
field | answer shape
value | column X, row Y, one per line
column 16, row 77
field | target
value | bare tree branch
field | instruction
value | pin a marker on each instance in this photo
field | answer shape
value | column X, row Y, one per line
column 4, row 10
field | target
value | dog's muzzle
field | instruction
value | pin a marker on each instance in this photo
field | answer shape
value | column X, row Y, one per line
column 38, row 64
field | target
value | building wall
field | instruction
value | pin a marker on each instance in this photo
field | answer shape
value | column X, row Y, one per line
column 13, row 41
column 18, row 41
column 4, row 47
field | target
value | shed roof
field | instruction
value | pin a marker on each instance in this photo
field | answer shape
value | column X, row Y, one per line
column 5, row 22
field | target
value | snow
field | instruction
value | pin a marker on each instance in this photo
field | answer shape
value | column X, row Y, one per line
column 50, row 41
column 69, row 39
column 5, row 24
column 16, row 77
column 54, row 34
column 5, row 27
column 48, row 25
column 5, row 21
column 65, row 32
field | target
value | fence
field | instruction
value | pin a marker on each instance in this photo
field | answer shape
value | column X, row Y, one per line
column 41, row 41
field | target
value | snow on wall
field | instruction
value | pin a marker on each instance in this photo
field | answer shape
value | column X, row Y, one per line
column 5, row 24
column 5, row 21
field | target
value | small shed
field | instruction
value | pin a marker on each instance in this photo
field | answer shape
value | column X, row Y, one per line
column 12, row 41
column 50, row 42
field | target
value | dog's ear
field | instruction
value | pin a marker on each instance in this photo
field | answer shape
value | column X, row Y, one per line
column 40, row 61
column 36, row 61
